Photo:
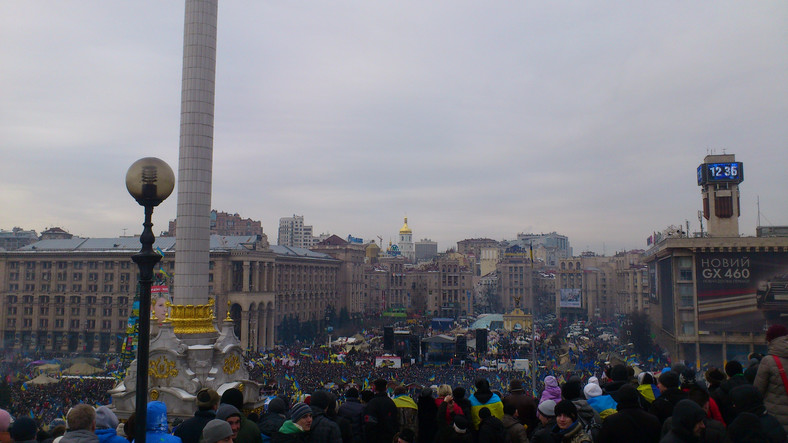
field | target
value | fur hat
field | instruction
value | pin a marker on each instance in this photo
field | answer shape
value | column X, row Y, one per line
column 216, row 430
column 105, row 418
column 547, row 408
column 207, row 398
column 24, row 428
column 567, row 408
column 775, row 331
column 298, row 411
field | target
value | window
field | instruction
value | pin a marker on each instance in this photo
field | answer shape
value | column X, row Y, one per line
column 90, row 299
column 121, row 324
column 78, row 265
column 58, row 322
column 109, row 265
column 108, row 288
column 106, row 312
column 123, row 312
column 74, row 324
column 91, row 312
column 14, row 276
column 62, row 265
column 688, row 328
column 123, row 301
column 92, row 288
column 92, row 265
column 106, row 300
column 124, row 277
column 30, row 275
column 13, row 265
column 43, row 299
column 11, row 310
column 109, row 277
column 46, row 276
column 27, row 310
column 61, row 276
column 686, row 295
column 91, row 324
column 77, row 276
column 46, row 265
column 61, row 288
column 123, row 288
column 45, row 287
column 74, row 311
column 30, row 287
column 125, row 265
column 27, row 299
column 76, row 288
column 75, row 300
column 27, row 323
column 43, row 323
column 93, row 276
column 106, row 325
column 30, row 265
column 43, row 310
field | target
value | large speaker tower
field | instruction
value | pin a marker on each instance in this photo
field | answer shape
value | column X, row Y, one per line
column 460, row 348
column 388, row 338
column 481, row 342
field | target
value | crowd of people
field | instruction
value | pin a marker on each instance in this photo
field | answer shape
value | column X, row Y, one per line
column 316, row 399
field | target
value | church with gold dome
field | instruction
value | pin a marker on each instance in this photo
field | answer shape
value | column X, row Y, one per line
column 405, row 244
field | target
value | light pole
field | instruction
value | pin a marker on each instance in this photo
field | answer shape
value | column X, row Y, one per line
column 149, row 180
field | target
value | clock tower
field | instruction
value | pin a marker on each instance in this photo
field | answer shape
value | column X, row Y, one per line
column 719, row 177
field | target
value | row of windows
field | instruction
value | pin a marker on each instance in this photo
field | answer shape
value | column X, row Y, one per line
column 61, row 299
column 60, row 287
column 59, row 323
column 107, row 264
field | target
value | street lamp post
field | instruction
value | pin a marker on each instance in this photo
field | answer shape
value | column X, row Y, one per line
column 149, row 180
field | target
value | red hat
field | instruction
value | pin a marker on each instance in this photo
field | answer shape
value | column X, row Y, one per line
column 776, row 331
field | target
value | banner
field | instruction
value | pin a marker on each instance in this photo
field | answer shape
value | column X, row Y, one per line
column 388, row 361
column 571, row 298
column 741, row 291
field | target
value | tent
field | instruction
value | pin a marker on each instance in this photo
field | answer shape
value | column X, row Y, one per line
column 48, row 368
column 81, row 369
column 43, row 379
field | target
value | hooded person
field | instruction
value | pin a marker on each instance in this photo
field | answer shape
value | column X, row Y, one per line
column 380, row 416
column 190, row 431
column 670, row 395
column 231, row 415
column 618, row 377
column 631, row 422
column 156, row 428
column 747, row 428
column 515, row 432
column 249, row 432
column 603, row 404
column 647, row 388
column 484, row 398
column 567, row 427
column 428, row 413
column 545, row 412
column 525, row 404
column 296, row 429
column 551, row 390
column 687, row 423
column 274, row 418
column 106, row 425
column 351, row 410
column 746, row 398
column 491, row 429
column 216, row 431
column 769, row 380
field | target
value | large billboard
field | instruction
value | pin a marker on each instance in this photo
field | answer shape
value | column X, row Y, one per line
column 570, row 298
column 741, row 291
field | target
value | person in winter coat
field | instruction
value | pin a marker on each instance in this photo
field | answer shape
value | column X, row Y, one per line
column 323, row 429
column 380, row 415
column 428, row 415
column 618, row 377
column 768, row 380
column 490, row 429
column 345, row 427
column 670, row 395
column 572, row 390
column 190, row 430
column 630, row 423
column 688, row 423
column 106, row 423
column 216, row 431
column 746, row 398
column 295, row 430
column 747, row 428
column 603, row 404
column 647, row 389
column 568, row 428
column 515, row 432
column 458, row 394
column 249, row 432
column 23, row 430
column 156, row 428
column 551, row 390
column 525, row 404
column 407, row 409
column 231, row 415
column 274, row 418
column 351, row 410
column 484, row 398
column 546, row 414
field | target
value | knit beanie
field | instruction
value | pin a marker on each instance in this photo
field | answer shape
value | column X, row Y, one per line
column 225, row 410
column 298, row 411
column 592, row 390
column 669, row 379
column 618, row 373
column 216, row 430
column 775, row 331
column 233, row 397
column 733, row 367
column 572, row 389
column 277, row 406
column 105, row 418
column 567, row 408
column 547, row 408
column 593, row 380
column 320, row 399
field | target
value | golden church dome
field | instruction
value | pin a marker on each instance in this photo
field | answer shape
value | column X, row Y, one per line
column 405, row 229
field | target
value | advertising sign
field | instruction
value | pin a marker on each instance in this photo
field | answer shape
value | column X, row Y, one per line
column 571, row 298
column 741, row 291
column 388, row 361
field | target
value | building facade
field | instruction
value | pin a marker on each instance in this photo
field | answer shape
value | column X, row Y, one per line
column 293, row 232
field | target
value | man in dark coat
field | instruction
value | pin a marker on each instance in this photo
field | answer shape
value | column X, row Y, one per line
column 249, row 432
column 381, row 418
column 735, row 373
column 351, row 410
column 546, row 414
column 618, row 375
column 631, row 423
column 687, row 425
column 323, row 430
column 274, row 418
column 525, row 404
column 490, row 428
column 190, row 430
column 668, row 384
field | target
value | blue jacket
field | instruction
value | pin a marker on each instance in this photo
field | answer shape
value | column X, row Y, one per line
column 156, row 428
column 109, row 436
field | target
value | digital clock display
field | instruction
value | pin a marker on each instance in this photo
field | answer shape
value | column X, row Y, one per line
column 724, row 171
column 720, row 172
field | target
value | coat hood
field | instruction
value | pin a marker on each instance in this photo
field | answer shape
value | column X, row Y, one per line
column 686, row 414
column 156, row 419
column 746, row 398
column 779, row 346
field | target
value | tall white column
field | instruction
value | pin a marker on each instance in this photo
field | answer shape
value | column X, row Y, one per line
column 196, row 153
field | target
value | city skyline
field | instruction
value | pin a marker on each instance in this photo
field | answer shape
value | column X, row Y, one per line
column 471, row 120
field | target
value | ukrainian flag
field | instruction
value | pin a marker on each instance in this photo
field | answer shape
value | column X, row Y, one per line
column 649, row 392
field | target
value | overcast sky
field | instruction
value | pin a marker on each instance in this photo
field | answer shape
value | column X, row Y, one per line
column 473, row 119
